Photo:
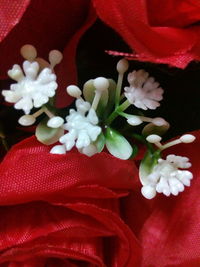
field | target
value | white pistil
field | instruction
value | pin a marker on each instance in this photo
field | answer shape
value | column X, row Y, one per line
column 122, row 67
column 100, row 84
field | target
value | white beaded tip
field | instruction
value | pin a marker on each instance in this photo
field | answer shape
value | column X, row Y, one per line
column 27, row 120
column 55, row 122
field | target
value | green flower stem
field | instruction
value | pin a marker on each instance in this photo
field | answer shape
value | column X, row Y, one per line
column 116, row 112
column 47, row 112
column 118, row 89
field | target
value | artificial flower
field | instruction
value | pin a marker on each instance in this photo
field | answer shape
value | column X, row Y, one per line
column 143, row 91
column 33, row 89
column 167, row 178
column 82, row 129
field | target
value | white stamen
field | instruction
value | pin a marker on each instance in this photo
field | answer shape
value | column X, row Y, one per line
column 153, row 138
column 187, row 138
column 55, row 122
column 74, row 91
column 28, row 52
column 55, row 57
column 26, row 120
column 122, row 66
column 134, row 120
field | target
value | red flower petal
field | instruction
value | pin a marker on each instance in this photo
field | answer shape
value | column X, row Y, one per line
column 171, row 45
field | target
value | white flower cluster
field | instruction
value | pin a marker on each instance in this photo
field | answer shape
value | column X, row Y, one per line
column 143, row 91
column 82, row 129
column 167, row 178
column 33, row 89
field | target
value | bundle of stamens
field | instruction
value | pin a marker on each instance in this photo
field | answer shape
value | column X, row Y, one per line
column 89, row 126
column 164, row 176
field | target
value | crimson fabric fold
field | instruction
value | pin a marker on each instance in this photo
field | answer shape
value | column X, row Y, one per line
column 65, row 207
column 157, row 31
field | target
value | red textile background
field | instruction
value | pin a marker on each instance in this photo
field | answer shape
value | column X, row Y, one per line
column 55, row 208
column 64, row 207
column 158, row 31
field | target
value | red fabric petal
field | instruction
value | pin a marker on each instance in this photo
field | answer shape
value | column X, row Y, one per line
column 170, row 13
column 69, row 206
column 171, row 45
column 11, row 12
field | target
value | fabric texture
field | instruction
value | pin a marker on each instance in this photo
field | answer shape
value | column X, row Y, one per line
column 157, row 31
column 70, row 209
column 65, row 207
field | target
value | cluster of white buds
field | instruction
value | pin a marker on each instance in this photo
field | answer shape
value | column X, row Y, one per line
column 82, row 123
column 143, row 91
column 166, row 176
column 36, row 84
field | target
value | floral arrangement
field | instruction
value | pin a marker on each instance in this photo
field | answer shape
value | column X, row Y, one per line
column 99, row 183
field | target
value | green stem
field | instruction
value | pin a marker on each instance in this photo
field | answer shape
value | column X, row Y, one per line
column 115, row 113
column 118, row 89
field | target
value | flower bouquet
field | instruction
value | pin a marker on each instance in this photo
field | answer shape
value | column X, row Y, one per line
column 104, row 178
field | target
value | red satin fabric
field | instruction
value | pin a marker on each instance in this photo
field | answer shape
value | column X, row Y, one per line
column 11, row 12
column 63, row 210
column 158, row 43
column 64, row 207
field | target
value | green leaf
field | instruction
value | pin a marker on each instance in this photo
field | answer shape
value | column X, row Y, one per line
column 151, row 128
column 149, row 161
column 47, row 135
column 117, row 145
column 100, row 142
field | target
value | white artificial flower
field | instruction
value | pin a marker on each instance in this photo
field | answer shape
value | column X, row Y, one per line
column 143, row 91
column 167, row 178
column 82, row 128
column 33, row 89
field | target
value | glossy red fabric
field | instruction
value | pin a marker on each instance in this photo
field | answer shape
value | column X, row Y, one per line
column 65, row 210
column 56, row 25
column 10, row 13
column 157, row 31
column 64, row 207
